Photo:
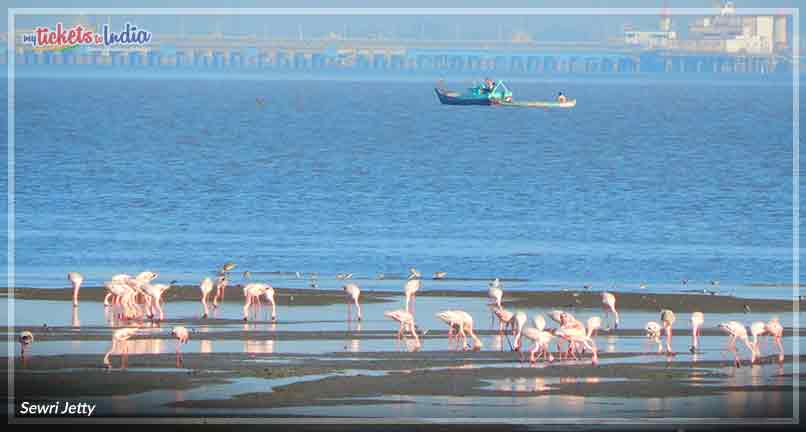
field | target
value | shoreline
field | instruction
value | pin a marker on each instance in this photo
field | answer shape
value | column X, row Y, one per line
column 513, row 299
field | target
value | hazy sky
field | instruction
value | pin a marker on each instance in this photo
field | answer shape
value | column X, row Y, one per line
column 442, row 27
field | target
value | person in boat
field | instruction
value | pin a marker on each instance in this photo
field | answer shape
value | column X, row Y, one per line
column 489, row 85
column 561, row 98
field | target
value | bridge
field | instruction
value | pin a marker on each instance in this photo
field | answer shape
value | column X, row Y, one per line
column 218, row 51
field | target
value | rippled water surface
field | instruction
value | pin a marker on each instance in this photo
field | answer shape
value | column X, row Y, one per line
column 642, row 182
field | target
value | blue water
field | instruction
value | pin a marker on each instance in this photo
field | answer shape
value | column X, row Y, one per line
column 642, row 182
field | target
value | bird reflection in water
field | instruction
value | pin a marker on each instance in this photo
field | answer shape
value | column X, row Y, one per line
column 353, row 345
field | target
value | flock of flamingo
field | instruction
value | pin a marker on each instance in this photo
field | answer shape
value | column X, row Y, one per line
column 135, row 298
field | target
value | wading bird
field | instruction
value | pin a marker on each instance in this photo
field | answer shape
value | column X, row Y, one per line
column 757, row 329
column 26, row 339
column 406, row 321
column 653, row 332
column 495, row 293
column 227, row 267
column 120, row 340
column 75, row 279
column 220, row 287
column 413, row 284
column 578, row 335
column 541, row 339
column 206, row 288
column 464, row 322
column 182, row 335
column 154, row 299
column 352, row 292
column 609, row 306
column 776, row 330
column 440, row 275
column 697, row 319
column 736, row 330
column 667, row 318
column 252, row 293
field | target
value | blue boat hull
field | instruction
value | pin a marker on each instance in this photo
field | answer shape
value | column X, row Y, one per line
column 446, row 98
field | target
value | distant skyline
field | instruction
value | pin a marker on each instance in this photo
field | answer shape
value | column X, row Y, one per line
column 548, row 28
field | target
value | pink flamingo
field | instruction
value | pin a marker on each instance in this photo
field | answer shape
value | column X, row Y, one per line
column 138, row 282
column 75, row 279
column 182, row 335
column 206, row 288
column 119, row 339
column 352, row 292
column 115, row 295
column 541, row 339
column 578, row 335
column 252, row 293
column 736, row 330
column 464, row 322
column 609, row 305
column 26, row 339
column 667, row 318
column 495, row 293
column 413, row 284
column 406, row 321
column 155, row 293
column 506, row 320
column 776, row 330
column 758, row 328
column 520, row 324
column 452, row 319
column 697, row 319
column 653, row 332
column 269, row 294
column 221, row 285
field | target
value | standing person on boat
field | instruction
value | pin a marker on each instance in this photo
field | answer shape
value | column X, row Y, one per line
column 561, row 98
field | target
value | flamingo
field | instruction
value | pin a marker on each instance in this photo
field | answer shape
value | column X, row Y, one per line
column 155, row 293
column 119, row 339
column 736, row 330
column 495, row 293
column 452, row 319
column 206, row 288
column 697, row 319
column 269, row 294
column 227, row 267
column 520, row 323
column 413, row 284
column 75, row 279
column 506, row 320
column 182, row 335
column 406, row 321
column 578, row 335
column 138, row 282
column 117, row 279
column 221, row 285
column 776, row 330
column 352, row 292
column 252, row 293
column 609, row 305
column 464, row 321
column 26, row 339
column 758, row 328
column 653, row 332
column 541, row 339
column 440, row 275
column 667, row 318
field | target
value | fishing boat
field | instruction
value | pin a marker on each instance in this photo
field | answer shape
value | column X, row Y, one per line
column 489, row 93
column 493, row 93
